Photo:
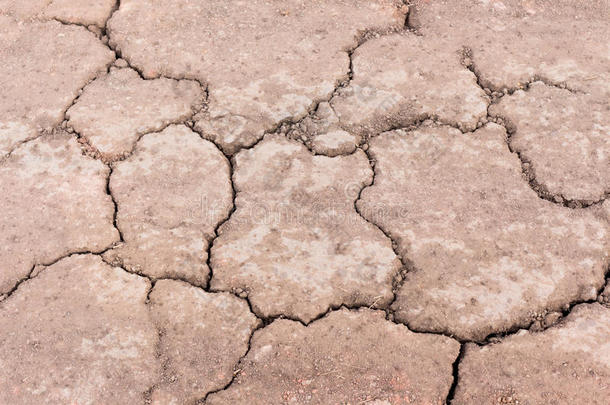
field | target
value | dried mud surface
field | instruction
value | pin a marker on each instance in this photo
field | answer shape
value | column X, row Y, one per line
column 321, row 202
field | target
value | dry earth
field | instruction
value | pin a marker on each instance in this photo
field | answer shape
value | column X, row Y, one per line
column 305, row 202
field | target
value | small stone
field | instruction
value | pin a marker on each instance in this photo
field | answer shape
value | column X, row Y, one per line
column 121, row 63
column 552, row 318
column 604, row 297
column 334, row 143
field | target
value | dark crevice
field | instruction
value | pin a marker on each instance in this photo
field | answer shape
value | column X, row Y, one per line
column 62, row 125
column 115, row 205
column 92, row 28
column 230, row 163
column 243, row 294
column 162, row 360
column 282, row 127
column 539, row 325
column 406, row 264
column 115, row 8
column 267, row 321
column 28, row 276
column 535, row 324
column 91, row 151
column 411, row 19
column 456, row 375
column 140, row 273
column 236, row 368
column 107, row 40
column 496, row 91
column 19, row 144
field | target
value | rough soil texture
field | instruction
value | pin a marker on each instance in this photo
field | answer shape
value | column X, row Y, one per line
column 81, row 12
column 323, row 134
column 323, row 363
column 398, row 79
column 295, row 244
column 541, row 368
column 90, row 330
column 53, row 203
column 563, row 136
column 43, row 67
column 202, row 336
column 492, row 258
column 113, row 112
column 169, row 204
column 304, row 202
column 563, row 42
column 264, row 61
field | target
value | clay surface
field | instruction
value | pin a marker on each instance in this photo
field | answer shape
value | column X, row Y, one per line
column 323, row 133
column 114, row 111
column 567, row 364
column 400, row 79
column 87, row 323
column 565, row 137
column 81, row 12
column 379, row 202
column 487, row 253
column 322, row 363
column 54, row 202
column 295, row 244
column 171, row 194
column 202, row 337
column 507, row 39
column 43, row 67
column 264, row 61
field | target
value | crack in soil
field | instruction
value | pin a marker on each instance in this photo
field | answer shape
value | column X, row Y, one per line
column 115, row 205
column 220, row 223
column 265, row 321
column 527, row 167
column 456, row 374
column 407, row 265
column 109, row 159
column 497, row 91
column 287, row 125
column 37, row 268
column 283, row 127
column 19, row 144
column 529, row 173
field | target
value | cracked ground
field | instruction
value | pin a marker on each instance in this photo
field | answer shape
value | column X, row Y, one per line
column 305, row 202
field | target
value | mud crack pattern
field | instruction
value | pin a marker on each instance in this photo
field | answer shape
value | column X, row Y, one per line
column 343, row 201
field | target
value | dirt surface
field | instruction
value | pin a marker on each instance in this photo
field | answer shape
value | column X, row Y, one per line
column 321, row 202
